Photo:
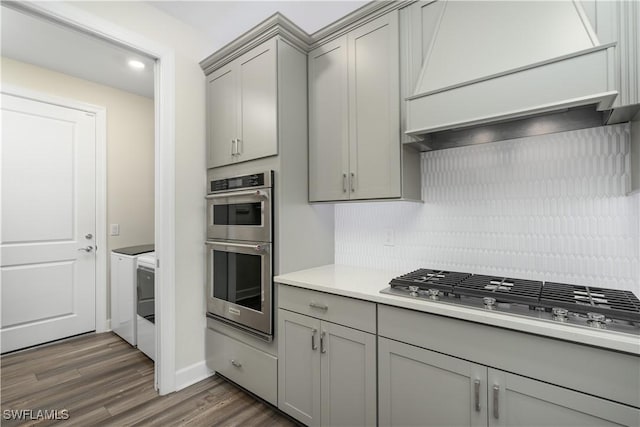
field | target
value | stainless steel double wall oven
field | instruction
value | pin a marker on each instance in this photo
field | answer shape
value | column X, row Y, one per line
column 239, row 251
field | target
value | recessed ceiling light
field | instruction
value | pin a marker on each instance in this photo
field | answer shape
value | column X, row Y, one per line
column 134, row 63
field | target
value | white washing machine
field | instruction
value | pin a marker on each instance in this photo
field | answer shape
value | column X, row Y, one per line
column 123, row 290
column 145, row 304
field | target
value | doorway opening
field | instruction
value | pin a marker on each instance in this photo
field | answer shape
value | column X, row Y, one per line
column 162, row 181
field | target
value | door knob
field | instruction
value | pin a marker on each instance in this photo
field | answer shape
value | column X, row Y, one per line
column 87, row 249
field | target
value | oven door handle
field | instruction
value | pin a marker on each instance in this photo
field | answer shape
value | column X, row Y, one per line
column 257, row 248
column 254, row 193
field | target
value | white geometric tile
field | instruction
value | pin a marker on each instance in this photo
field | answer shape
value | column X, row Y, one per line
column 551, row 207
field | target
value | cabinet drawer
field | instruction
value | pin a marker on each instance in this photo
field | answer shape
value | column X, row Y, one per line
column 600, row 372
column 249, row 367
column 345, row 311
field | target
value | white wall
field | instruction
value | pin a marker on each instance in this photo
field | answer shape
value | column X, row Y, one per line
column 130, row 145
column 190, row 165
column 547, row 208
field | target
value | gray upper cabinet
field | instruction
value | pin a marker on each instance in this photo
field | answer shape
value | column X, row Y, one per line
column 242, row 107
column 328, row 124
column 354, row 115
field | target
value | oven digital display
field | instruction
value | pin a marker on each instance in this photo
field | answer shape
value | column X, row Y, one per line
column 247, row 181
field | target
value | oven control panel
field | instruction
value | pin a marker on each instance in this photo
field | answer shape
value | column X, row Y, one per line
column 239, row 182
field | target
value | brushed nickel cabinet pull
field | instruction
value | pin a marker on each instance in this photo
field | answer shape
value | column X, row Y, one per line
column 313, row 339
column 496, row 398
column 476, row 394
column 318, row 306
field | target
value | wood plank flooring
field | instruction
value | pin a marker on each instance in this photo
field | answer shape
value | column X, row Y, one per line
column 100, row 380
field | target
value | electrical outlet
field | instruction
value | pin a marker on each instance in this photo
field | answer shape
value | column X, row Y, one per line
column 389, row 237
column 115, row 229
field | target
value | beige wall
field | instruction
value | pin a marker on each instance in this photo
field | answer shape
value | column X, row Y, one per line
column 130, row 145
column 190, row 166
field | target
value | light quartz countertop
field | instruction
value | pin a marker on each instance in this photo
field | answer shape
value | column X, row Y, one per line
column 365, row 284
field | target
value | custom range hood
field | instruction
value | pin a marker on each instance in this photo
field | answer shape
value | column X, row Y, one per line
column 496, row 70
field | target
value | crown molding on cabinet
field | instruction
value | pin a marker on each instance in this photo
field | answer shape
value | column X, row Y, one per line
column 276, row 25
column 279, row 25
column 360, row 16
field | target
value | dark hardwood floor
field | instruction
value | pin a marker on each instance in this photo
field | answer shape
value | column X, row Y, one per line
column 100, row 380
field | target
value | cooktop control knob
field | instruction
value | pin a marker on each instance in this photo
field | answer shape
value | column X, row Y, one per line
column 560, row 314
column 596, row 320
column 413, row 291
column 434, row 294
column 489, row 303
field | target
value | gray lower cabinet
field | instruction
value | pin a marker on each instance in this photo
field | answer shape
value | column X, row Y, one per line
column 244, row 364
column 419, row 387
column 326, row 372
column 422, row 387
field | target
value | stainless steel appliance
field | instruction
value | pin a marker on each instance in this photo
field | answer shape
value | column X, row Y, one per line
column 612, row 309
column 146, row 317
column 239, row 250
column 239, row 208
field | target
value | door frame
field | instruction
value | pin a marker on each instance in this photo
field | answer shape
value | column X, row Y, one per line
column 100, row 113
column 164, row 101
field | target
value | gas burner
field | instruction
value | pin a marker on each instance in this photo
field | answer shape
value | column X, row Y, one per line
column 585, row 306
column 614, row 303
column 501, row 288
column 426, row 279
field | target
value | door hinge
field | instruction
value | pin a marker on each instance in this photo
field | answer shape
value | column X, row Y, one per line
column 157, row 263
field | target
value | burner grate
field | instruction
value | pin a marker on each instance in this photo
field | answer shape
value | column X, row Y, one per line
column 426, row 279
column 503, row 289
column 614, row 303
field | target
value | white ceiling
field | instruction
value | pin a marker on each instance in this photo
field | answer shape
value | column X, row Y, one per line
column 222, row 21
column 51, row 45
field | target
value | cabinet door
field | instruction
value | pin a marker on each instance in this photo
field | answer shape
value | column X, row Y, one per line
column 374, row 109
column 221, row 120
column 348, row 376
column 328, row 127
column 519, row 401
column 299, row 366
column 258, row 106
column 421, row 387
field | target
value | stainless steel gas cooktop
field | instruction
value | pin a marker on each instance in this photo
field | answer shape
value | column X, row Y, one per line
column 586, row 306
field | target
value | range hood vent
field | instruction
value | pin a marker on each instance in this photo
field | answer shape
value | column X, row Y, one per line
column 494, row 61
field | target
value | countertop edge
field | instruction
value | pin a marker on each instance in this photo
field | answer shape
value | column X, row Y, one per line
column 608, row 340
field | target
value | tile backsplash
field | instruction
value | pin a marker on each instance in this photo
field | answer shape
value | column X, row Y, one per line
column 552, row 207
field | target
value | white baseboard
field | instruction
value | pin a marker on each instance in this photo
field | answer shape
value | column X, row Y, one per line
column 192, row 374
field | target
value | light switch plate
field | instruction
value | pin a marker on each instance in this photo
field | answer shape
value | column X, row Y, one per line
column 115, row 229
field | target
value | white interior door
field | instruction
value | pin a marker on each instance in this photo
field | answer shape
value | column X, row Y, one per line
column 47, row 222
